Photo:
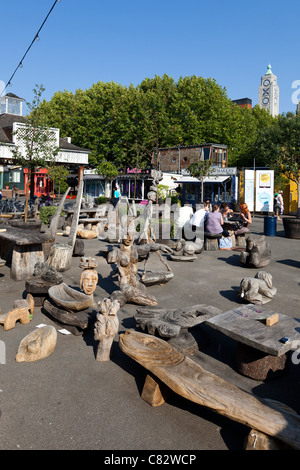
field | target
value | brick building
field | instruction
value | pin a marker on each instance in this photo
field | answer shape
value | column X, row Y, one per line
column 219, row 186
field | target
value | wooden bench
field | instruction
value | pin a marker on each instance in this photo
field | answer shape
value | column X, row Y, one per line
column 22, row 249
column 211, row 241
column 171, row 371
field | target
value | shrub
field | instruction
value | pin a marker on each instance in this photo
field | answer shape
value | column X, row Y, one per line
column 46, row 212
column 101, row 200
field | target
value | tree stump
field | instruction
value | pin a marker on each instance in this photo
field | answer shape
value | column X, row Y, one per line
column 60, row 257
column 257, row 365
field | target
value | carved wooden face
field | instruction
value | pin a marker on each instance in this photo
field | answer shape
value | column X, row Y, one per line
column 88, row 281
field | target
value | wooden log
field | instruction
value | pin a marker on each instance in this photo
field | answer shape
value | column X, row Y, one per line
column 55, row 218
column 187, row 378
column 60, row 257
column 154, row 392
column 75, row 219
column 79, row 319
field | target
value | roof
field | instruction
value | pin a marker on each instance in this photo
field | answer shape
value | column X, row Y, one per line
column 6, row 125
column 206, row 144
column 12, row 95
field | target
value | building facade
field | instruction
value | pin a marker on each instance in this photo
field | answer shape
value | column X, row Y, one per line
column 219, row 186
column 11, row 122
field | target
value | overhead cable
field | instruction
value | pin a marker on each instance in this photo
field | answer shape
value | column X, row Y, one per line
column 36, row 38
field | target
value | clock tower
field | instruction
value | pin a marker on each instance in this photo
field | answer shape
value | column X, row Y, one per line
column 268, row 94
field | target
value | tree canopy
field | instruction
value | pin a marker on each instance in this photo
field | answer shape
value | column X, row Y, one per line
column 117, row 123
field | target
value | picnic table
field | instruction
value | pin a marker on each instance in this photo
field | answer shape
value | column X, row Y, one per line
column 25, row 248
column 261, row 351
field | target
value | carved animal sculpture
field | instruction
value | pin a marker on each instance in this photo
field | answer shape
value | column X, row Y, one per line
column 257, row 254
column 257, row 290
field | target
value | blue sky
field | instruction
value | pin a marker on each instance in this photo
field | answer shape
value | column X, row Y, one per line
column 84, row 42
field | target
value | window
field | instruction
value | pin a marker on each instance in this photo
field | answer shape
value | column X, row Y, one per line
column 16, row 177
column 206, row 153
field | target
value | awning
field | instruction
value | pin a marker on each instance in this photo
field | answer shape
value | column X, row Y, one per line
column 208, row 179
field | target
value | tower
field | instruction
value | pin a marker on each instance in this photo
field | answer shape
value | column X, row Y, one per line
column 268, row 94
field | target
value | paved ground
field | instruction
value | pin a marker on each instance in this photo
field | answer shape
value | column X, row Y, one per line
column 70, row 401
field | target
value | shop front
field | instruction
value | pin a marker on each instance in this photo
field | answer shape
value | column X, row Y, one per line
column 220, row 186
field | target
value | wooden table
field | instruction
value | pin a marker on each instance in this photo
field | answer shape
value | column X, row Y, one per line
column 259, row 346
column 26, row 248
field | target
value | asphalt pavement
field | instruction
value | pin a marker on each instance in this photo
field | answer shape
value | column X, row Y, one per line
column 70, row 401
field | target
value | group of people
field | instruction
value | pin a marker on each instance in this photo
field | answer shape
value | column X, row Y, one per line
column 213, row 217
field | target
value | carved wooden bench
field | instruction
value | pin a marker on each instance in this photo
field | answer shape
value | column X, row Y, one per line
column 25, row 248
column 171, row 371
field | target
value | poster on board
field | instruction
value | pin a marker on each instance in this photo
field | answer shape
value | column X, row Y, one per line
column 264, row 194
column 249, row 178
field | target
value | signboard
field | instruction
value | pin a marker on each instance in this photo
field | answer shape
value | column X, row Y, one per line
column 249, row 187
column 264, row 190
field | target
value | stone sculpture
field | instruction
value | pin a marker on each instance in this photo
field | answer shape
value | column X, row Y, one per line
column 257, row 290
column 38, row 345
column 106, row 327
column 188, row 379
column 184, row 250
column 257, row 254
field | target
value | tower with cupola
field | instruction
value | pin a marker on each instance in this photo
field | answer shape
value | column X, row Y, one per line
column 268, row 94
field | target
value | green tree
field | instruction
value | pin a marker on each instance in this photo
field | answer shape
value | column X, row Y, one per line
column 287, row 155
column 58, row 174
column 36, row 144
column 108, row 170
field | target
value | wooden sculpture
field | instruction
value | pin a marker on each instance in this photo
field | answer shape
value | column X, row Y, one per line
column 38, row 345
column 60, row 256
column 257, row 254
column 257, row 290
column 126, row 258
column 22, row 311
column 89, row 276
column 187, row 378
column 106, row 327
column 75, row 309
column 176, row 324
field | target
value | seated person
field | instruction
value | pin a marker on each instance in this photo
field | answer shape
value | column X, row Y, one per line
column 244, row 219
column 226, row 211
column 214, row 222
column 197, row 219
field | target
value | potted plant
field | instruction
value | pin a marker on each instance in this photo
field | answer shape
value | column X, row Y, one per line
column 6, row 184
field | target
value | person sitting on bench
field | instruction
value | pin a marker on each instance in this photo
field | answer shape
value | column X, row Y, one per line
column 214, row 222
